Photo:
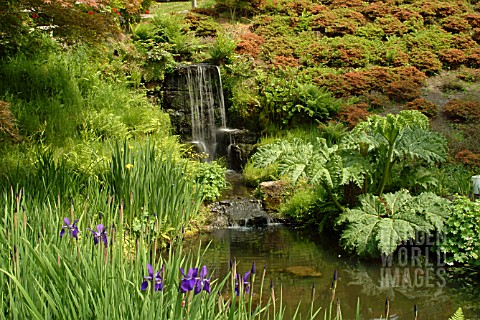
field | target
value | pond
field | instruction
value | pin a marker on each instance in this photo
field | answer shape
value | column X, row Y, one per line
column 280, row 248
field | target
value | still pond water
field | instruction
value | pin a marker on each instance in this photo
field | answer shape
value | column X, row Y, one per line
column 279, row 247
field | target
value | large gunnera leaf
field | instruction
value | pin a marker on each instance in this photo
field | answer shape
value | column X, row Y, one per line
column 380, row 224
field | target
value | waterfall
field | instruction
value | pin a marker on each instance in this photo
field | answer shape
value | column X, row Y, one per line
column 207, row 106
column 193, row 97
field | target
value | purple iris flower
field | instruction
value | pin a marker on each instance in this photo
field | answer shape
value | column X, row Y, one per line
column 193, row 281
column 72, row 228
column 156, row 279
column 245, row 283
column 100, row 234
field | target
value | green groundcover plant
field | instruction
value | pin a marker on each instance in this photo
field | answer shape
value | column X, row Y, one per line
column 462, row 232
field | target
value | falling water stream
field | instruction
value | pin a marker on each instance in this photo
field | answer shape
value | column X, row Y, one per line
column 207, row 106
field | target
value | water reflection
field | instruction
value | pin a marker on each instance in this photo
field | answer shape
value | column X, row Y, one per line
column 279, row 248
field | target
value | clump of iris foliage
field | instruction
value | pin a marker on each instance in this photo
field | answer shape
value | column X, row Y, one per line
column 85, row 262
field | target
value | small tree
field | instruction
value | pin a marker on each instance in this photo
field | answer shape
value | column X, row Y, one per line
column 86, row 20
column 243, row 7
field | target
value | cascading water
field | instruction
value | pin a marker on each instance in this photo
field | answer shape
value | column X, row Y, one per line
column 193, row 97
column 207, row 106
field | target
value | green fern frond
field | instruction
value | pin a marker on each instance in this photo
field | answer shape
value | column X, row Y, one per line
column 458, row 315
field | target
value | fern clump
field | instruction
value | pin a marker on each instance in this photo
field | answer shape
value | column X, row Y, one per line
column 380, row 224
column 458, row 315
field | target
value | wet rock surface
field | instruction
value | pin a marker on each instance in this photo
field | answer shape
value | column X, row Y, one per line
column 238, row 213
column 273, row 193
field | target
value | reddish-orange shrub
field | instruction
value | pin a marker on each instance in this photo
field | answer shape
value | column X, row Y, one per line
column 296, row 7
column 378, row 77
column 463, row 41
column 473, row 19
column 283, row 61
column 451, row 58
column 357, row 82
column 391, row 25
column 353, row 114
column 405, row 15
column 376, row 9
column 476, row 34
column 469, row 158
column 426, row 61
column 426, row 107
column 376, row 100
column 347, row 4
column 440, row 9
column 450, row 8
column 340, row 27
column 351, row 56
column 323, row 19
column 317, row 8
column 473, row 58
column 455, row 24
column 462, row 110
column 403, row 90
column 333, row 82
column 410, row 73
column 250, row 43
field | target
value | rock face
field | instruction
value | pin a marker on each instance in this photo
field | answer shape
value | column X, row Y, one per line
column 273, row 193
column 239, row 145
column 232, row 213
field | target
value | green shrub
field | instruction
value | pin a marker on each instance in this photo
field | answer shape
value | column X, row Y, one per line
column 204, row 25
column 462, row 232
column 288, row 100
column 170, row 29
column 453, row 178
column 253, row 175
column 223, row 49
column 209, row 178
column 103, row 125
column 301, row 206
column 44, row 94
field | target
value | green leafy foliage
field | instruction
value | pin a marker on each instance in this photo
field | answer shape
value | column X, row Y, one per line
column 150, row 179
column 315, row 161
column 462, row 232
column 209, row 177
column 458, row 315
column 380, row 224
column 395, row 138
column 288, row 101
column 309, row 207
column 223, row 49
column 167, row 29
column 103, row 125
